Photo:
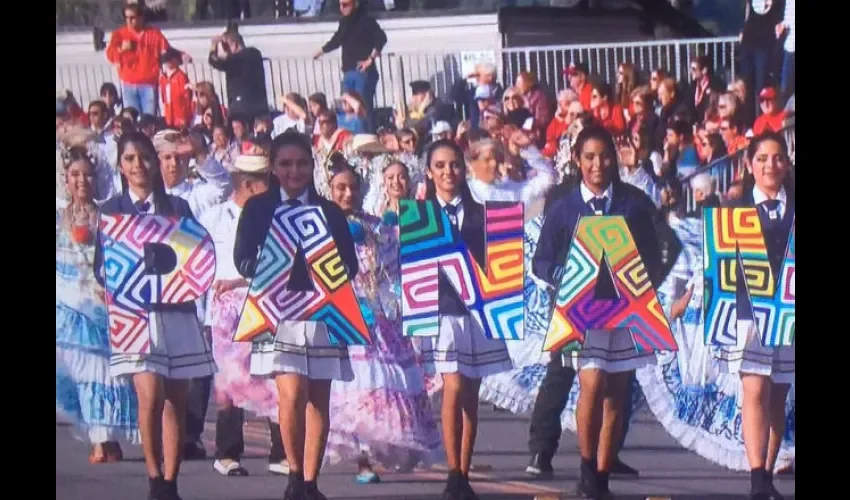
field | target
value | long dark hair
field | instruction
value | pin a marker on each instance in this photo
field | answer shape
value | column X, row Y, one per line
column 291, row 138
column 145, row 147
column 749, row 181
column 598, row 133
column 430, row 187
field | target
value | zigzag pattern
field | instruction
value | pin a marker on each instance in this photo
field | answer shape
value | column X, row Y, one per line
column 493, row 294
column 332, row 300
column 130, row 291
column 733, row 237
column 637, row 308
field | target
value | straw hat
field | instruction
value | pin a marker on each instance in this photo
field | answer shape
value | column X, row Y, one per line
column 166, row 140
column 368, row 144
column 251, row 164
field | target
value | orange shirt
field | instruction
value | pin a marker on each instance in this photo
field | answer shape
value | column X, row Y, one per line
column 767, row 122
column 554, row 131
column 175, row 91
column 139, row 65
column 738, row 143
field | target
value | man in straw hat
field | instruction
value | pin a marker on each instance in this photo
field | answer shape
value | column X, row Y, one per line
column 249, row 177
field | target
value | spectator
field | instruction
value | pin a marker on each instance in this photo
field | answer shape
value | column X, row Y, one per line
column 243, row 71
column 149, row 125
column 727, row 106
column 175, row 91
column 730, row 130
column 745, row 113
column 99, row 117
column 362, row 41
column 331, row 138
column 470, row 97
column 562, row 120
column 649, row 160
column 511, row 100
column 407, row 141
column 131, row 114
column 655, row 78
column 643, row 115
column 702, row 186
column 668, row 100
column 425, row 110
column 608, row 113
column 680, row 155
column 703, row 84
column 577, row 73
column 317, row 103
column 207, row 99
column 773, row 117
column 136, row 48
column 294, row 115
column 786, row 29
column 441, row 130
column 485, row 96
column 536, row 101
column 352, row 114
column 109, row 95
column 626, row 83
column 757, row 45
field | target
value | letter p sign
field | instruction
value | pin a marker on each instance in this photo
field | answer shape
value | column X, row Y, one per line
column 151, row 260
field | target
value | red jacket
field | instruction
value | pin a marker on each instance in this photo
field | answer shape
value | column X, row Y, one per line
column 139, row 65
column 772, row 122
column 554, row 131
column 615, row 123
column 175, row 91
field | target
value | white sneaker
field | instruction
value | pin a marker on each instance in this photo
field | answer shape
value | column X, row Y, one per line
column 230, row 469
column 279, row 468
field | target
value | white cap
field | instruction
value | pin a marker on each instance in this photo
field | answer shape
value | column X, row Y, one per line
column 441, row 127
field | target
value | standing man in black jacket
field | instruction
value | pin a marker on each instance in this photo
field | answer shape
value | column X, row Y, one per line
column 362, row 41
column 244, row 73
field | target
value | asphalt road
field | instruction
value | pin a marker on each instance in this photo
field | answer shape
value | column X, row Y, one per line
column 667, row 471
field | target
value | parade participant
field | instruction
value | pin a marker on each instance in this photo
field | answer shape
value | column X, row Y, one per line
column 607, row 358
column 384, row 413
column 178, row 349
column 235, row 389
column 766, row 372
column 175, row 154
column 102, row 407
column 301, row 359
column 461, row 353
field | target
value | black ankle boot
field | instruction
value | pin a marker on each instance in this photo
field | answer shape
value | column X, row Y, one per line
column 466, row 489
column 311, row 491
column 170, row 489
column 454, row 486
column 587, row 484
column 759, row 484
column 295, row 488
column 155, row 488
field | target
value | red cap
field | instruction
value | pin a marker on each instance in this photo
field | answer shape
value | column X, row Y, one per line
column 767, row 94
column 575, row 68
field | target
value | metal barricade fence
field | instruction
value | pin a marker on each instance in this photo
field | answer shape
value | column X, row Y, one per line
column 442, row 70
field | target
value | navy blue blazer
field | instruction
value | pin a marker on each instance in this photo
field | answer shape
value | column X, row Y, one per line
column 254, row 224
column 776, row 240
column 560, row 224
column 122, row 204
column 472, row 232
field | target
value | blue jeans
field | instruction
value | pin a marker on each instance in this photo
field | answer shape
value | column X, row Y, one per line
column 362, row 82
column 787, row 74
column 141, row 97
column 754, row 71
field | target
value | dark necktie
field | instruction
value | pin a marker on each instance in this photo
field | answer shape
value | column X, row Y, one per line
column 598, row 205
column 451, row 211
column 142, row 206
column 294, row 203
column 771, row 209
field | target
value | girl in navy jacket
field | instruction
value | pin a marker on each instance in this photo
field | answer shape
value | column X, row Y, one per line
column 461, row 353
column 607, row 358
column 178, row 349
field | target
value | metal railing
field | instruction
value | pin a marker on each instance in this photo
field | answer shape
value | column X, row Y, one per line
column 728, row 169
column 305, row 76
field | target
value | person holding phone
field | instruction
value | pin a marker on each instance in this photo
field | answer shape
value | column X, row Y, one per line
column 135, row 49
column 243, row 70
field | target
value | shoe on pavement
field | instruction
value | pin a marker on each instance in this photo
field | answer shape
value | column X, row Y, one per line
column 367, row 477
column 466, row 489
column 194, row 450
column 588, row 490
column 540, row 466
column 311, row 491
column 620, row 468
column 279, row 468
column 230, row 468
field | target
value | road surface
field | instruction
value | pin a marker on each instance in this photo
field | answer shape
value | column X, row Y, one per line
column 667, row 470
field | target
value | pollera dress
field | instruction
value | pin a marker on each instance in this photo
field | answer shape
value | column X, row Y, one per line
column 104, row 408
column 384, row 410
column 516, row 390
column 687, row 391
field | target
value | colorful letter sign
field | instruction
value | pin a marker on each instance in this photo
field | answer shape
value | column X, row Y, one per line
column 430, row 246
column 132, row 287
column 332, row 299
column 733, row 237
column 637, row 308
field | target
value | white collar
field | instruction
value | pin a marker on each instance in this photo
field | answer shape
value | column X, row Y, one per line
column 135, row 199
column 455, row 202
column 180, row 187
column 759, row 196
column 304, row 198
column 587, row 194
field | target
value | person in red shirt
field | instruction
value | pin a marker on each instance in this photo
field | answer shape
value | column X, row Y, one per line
column 773, row 117
column 175, row 91
column 564, row 117
column 135, row 49
column 605, row 110
column 577, row 73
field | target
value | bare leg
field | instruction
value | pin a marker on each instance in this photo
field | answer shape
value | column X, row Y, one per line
column 589, row 411
column 317, row 426
column 778, row 394
column 469, row 403
column 616, row 386
column 756, row 418
column 292, row 401
column 450, row 415
column 174, row 425
column 150, row 393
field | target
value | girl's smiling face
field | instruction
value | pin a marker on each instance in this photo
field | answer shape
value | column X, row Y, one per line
column 446, row 170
